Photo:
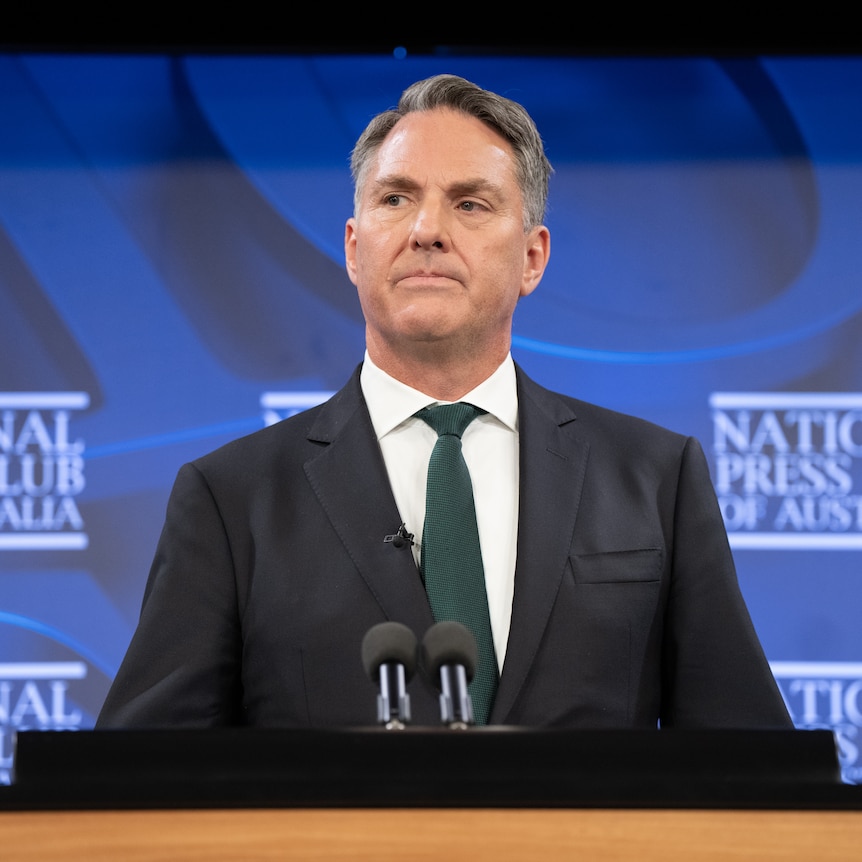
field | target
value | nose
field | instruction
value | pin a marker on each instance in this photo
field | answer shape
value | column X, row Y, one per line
column 430, row 230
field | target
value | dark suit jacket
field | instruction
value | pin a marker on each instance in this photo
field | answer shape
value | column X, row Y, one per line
column 272, row 567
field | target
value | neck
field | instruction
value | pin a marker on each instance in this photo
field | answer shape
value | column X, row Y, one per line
column 442, row 377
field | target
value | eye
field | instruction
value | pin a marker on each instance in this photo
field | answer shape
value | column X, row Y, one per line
column 468, row 206
column 393, row 200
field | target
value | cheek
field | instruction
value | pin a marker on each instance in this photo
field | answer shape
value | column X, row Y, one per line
column 370, row 275
column 370, row 252
column 503, row 278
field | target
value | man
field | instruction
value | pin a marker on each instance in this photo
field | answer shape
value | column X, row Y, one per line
column 612, row 595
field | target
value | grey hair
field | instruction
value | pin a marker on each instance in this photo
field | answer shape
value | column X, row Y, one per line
column 506, row 117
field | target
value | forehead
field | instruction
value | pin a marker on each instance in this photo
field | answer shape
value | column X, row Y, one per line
column 444, row 145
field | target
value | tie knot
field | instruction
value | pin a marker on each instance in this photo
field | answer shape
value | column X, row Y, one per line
column 450, row 418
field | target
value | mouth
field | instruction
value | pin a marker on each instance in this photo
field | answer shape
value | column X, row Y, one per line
column 422, row 279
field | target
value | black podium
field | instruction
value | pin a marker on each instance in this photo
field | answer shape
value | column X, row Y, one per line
column 488, row 795
column 480, row 767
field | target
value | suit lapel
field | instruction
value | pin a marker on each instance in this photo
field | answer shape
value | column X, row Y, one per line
column 350, row 481
column 553, row 463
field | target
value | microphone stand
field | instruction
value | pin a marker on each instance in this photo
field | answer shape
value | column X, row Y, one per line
column 393, row 702
column 456, row 705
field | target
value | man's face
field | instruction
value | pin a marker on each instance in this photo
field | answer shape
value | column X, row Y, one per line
column 437, row 248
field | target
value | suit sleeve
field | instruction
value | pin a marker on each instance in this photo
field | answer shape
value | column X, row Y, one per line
column 716, row 673
column 182, row 666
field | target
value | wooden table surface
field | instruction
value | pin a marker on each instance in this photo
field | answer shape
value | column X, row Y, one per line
column 495, row 835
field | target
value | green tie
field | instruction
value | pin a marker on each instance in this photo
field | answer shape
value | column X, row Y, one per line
column 451, row 556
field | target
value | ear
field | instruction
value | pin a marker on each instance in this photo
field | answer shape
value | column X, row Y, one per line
column 537, row 250
column 350, row 248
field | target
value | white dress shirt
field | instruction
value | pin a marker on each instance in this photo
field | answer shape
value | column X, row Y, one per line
column 490, row 447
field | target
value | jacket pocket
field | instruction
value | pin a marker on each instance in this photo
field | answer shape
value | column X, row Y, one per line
column 640, row 565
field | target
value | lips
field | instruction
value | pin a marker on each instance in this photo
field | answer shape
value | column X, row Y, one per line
column 424, row 277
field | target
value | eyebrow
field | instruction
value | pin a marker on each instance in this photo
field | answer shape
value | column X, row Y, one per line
column 395, row 181
column 477, row 186
column 464, row 187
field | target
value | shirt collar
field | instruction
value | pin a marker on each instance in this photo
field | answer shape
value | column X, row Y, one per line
column 391, row 402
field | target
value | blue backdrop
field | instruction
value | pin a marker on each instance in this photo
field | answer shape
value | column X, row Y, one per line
column 171, row 277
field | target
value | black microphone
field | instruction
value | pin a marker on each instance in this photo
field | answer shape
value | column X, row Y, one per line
column 400, row 538
column 389, row 658
column 450, row 654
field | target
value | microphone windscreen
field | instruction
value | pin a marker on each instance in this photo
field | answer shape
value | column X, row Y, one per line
column 389, row 642
column 449, row 642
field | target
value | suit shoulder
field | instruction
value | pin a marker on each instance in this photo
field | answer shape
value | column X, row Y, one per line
column 597, row 422
column 288, row 439
column 623, row 442
column 277, row 437
column 615, row 422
